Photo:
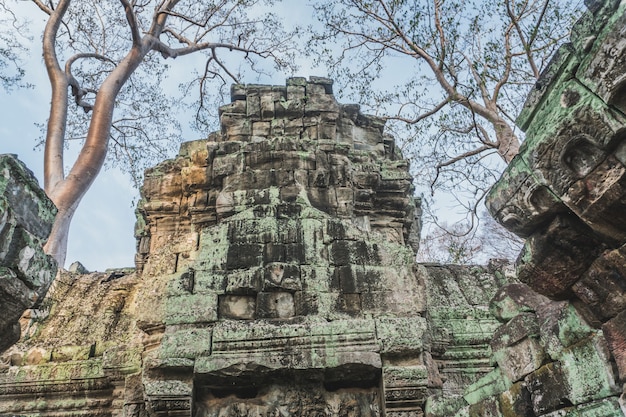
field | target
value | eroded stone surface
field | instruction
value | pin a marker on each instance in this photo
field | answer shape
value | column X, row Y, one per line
column 26, row 217
column 277, row 278
column 277, row 273
column 566, row 191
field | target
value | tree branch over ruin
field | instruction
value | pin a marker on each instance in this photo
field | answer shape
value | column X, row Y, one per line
column 460, row 66
column 102, row 54
column 132, row 22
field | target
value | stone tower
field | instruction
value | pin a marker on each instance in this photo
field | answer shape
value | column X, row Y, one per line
column 284, row 247
column 276, row 271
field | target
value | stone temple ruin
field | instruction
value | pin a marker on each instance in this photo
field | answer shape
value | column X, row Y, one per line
column 276, row 271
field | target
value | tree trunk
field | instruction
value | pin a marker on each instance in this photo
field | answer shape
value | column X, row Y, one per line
column 508, row 142
column 56, row 246
column 67, row 193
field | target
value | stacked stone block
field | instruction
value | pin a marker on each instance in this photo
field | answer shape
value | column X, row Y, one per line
column 285, row 245
column 26, row 272
column 77, row 357
column 565, row 193
column 296, row 140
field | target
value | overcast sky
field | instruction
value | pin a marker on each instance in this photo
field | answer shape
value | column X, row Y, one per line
column 101, row 235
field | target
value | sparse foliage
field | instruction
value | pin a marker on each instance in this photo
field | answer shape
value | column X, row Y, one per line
column 459, row 243
column 106, row 64
column 13, row 35
column 461, row 71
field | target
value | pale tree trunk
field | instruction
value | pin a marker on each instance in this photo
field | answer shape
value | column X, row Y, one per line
column 55, row 134
column 67, row 191
column 508, row 142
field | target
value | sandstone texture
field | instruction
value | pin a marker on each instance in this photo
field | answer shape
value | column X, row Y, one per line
column 276, row 275
column 566, row 193
column 26, row 217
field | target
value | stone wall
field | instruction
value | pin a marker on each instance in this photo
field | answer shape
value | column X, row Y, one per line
column 293, row 144
column 566, row 193
column 291, row 287
column 278, row 277
column 276, row 272
column 26, row 217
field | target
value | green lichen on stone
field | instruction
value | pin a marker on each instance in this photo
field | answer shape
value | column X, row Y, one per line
column 397, row 335
column 191, row 308
column 490, row 385
column 444, row 407
column 186, row 343
column 587, row 370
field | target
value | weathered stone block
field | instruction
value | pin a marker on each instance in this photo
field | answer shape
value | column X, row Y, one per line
column 588, row 371
column 615, row 333
column 192, row 308
column 242, row 348
column 186, row 343
column 553, row 259
column 244, row 255
column 603, row 286
column 559, row 61
column 604, row 66
column 279, row 276
column 307, row 303
column 444, row 407
column 11, row 333
column 358, row 279
column 227, row 165
column 28, row 203
column 235, row 107
column 283, row 253
column 548, row 379
column 401, row 335
column 490, row 385
column 516, row 401
column 267, row 107
column 516, row 347
column 237, row 307
column 16, row 296
column 514, row 299
column 349, row 303
column 561, row 326
column 275, row 305
column 489, row 407
column 599, row 198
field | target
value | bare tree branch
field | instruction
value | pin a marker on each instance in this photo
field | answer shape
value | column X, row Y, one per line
column 132, row 22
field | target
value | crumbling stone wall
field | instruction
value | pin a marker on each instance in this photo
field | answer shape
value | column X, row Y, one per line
column 26, row 216
column 293, row 262
column 294, row 140
column 566, row 193
column 277, row 275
